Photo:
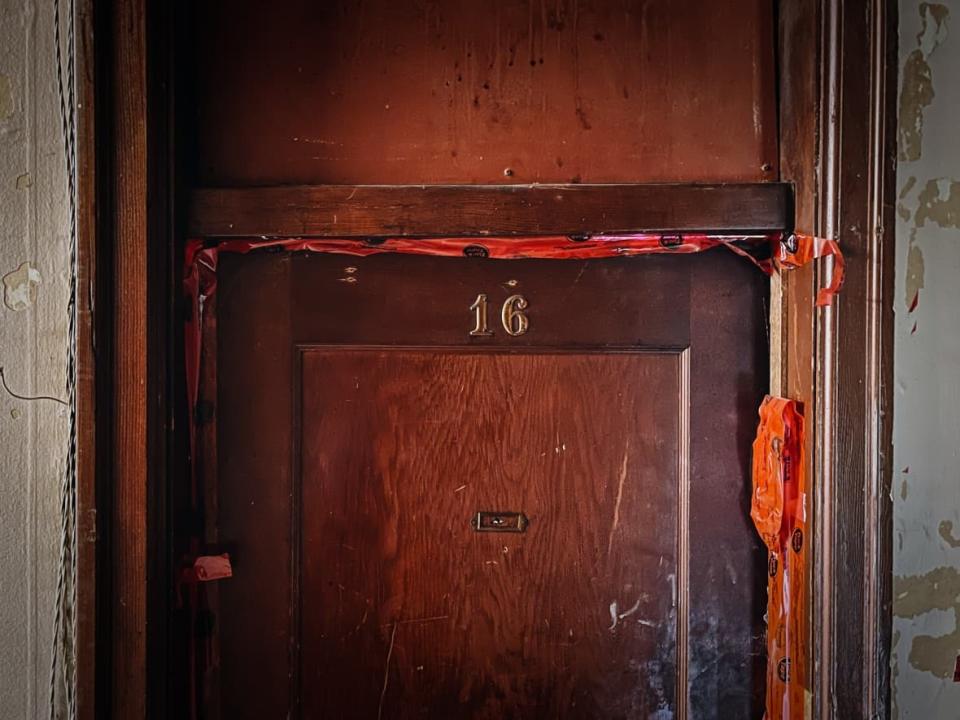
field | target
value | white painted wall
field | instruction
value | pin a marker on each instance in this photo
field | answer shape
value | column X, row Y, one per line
column 926, row 560
column 33, row 345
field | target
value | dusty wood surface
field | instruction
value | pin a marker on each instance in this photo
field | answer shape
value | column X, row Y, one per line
column 484, row 91
column 837, row 148
column 438, row 210
column 130, row 432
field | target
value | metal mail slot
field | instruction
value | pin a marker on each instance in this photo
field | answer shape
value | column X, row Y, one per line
column 489, row 521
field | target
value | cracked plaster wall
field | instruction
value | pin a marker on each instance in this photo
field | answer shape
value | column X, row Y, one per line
column 926, row 561
column 33, row 345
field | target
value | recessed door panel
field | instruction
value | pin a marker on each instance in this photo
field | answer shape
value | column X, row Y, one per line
column 406, row 610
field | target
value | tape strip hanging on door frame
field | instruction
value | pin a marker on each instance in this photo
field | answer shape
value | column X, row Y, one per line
column 779, row 512
column 797, row 249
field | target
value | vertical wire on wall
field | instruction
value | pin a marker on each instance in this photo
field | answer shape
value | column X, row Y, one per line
column 64, row 622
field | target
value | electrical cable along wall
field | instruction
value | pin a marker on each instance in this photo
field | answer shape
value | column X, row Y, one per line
column 38, row 369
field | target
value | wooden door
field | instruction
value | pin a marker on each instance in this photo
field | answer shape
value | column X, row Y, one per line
column 362, row 428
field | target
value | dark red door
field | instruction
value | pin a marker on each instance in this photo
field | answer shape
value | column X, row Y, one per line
column 373, row 412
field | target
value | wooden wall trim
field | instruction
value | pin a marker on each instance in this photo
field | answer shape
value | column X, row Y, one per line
column 409, row 210
column 87, row 366
column 878, row 340
column 129, row 214
column 861, row 334
column 838, row 74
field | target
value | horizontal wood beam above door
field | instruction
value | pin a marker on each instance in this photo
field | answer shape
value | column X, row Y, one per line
column 438, row 210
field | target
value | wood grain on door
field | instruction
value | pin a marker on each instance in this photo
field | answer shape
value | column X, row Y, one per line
column 577, row 613
column 361, row 428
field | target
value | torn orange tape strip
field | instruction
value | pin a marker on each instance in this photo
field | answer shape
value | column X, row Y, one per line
column 798, row 249
column 207, row 568
column 212, row 567
column 778, row 510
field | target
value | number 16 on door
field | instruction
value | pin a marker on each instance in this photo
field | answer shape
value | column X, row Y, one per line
column 512, row 316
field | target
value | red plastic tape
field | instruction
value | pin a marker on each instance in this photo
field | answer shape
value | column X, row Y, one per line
column 207, row 568
column 574, row 247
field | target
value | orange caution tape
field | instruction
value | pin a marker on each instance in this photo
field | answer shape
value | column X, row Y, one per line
column 212, row 567
column 796, row 250
column 201, row 569
column 778, row 510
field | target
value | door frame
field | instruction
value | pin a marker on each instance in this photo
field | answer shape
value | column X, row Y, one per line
column 838, row 74
column 837, row 92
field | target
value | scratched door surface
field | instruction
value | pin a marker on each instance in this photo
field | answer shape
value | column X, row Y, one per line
column 362, row 428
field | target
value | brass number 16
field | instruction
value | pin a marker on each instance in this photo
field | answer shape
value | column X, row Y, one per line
column 514, row 320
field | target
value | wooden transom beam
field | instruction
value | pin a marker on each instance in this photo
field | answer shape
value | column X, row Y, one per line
column 461, row 210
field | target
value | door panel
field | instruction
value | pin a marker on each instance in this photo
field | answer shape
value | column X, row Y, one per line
column 400, row 449
column 361, row 427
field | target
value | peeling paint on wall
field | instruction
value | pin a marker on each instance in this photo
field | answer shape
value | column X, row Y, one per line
column 7, row 106
column 902, row 210
column 20, row 287
column 917, row 595
column 926, row 555
column 917, row 93
column 946, row 532
column 939, row 202
column 914, row 595
column 937, row 12
column 916, row 89
column 914, row 277
column 936, row 655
